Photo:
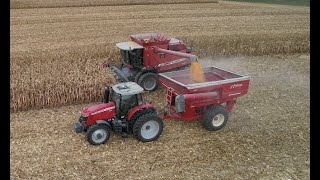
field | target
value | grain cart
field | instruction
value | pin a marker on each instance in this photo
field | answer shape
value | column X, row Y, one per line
column 210, row 100
column 148, row 54
column 124, row 111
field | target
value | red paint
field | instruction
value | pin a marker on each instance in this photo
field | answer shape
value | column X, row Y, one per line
column 103, row 111
column 137, row 108
column 151, row 59
column 200, row 99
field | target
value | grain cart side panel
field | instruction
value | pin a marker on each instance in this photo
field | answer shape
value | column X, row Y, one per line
column 235, row 89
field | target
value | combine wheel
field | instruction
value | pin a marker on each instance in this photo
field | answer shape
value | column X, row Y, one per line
column 148, row 127
column 149, row 81
column 98, row 134
column 215, row 118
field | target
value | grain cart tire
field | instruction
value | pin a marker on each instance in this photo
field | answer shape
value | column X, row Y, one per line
column 98, row 134
column 215, row 118
column 148, row 127
column 138, row 75
column 149, row 81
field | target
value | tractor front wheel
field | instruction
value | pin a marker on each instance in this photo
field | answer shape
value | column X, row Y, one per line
column 149, row 81
column 148, row 127
column 215, row 118
column 98, row 134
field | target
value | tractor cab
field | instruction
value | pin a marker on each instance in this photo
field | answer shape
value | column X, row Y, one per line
column 125, row 96
column 131, row 54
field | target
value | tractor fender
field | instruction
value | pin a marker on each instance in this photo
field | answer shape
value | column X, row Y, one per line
column 103, row 122
column 137, row 108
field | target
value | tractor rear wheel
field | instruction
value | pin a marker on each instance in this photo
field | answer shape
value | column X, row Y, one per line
column 215, row 118
column 98, row 134
column 148, row 127
column 137, row 115
column 149, row 81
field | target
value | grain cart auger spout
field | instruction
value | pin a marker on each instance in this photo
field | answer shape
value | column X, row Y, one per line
column 148, row 54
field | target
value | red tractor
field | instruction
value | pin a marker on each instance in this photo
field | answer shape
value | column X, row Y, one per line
column 124, row 111
column 148, row 54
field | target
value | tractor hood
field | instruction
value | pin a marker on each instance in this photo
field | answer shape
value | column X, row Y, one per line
column 130, row 45
column 99, row 108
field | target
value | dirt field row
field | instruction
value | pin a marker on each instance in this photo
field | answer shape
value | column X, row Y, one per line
column 267, row 136
column 56, row 53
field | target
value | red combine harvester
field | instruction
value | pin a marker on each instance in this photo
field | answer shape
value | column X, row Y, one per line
column 125, row 112
column 148, row 54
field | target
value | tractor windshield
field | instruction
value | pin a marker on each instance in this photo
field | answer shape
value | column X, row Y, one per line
column 127, row 103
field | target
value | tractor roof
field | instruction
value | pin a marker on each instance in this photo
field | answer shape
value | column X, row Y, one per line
column 127, row 88
column 130, row 45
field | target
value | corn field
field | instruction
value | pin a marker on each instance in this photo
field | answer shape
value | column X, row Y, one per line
column 56, row 54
